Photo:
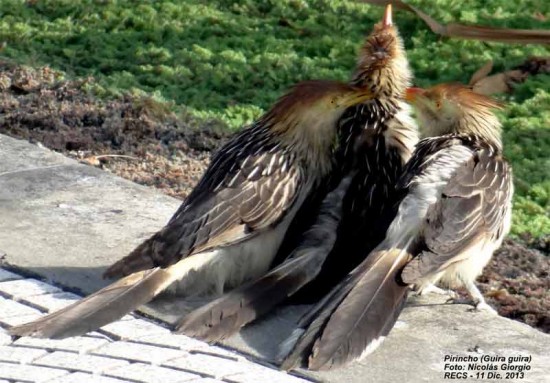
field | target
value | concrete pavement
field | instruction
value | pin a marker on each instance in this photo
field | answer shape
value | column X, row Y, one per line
column 130, row 350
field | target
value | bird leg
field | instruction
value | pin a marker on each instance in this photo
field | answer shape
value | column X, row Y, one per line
column 477, row 299
column 431, row 288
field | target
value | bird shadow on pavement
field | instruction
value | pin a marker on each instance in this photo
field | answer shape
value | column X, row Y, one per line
column 260, row 338
column 263, row 337
column 78, row 280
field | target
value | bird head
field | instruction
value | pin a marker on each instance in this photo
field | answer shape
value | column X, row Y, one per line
column 312, row 104
column 383, row 65
column 306, row 117
column 455, row 108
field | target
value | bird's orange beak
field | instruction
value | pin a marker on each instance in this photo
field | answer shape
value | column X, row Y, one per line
column 387, row 19
column 412, row 93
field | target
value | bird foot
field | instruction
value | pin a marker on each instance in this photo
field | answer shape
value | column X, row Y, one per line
column 483, row 306
column 433, row 289
column 478, row 306
column 459, row 301
column 478, row 299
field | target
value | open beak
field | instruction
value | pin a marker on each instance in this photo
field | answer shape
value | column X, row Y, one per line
column 411, row 94
column 387, row 20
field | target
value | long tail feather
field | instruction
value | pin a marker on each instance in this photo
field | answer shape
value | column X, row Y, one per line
column 366, row 315
column 100, row 308
column 226, row 315
column 294, row 351
column 349, row 322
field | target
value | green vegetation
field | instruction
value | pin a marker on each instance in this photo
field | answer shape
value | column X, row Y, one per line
column 231, row 59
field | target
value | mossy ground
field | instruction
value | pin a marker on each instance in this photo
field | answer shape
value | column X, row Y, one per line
column 230, row 60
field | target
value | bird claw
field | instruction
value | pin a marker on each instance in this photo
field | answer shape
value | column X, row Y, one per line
column 478, row 306
column 453, row 300
column 483, row 306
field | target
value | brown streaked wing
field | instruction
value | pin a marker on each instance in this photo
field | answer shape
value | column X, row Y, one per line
column 473, row 206
column 255, row 195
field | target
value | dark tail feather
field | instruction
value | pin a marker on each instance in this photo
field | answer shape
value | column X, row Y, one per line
column 295, row 349
column 141, row 258
column 226, row 315
column 100, row 308
column 357, row 314
column 366, row 315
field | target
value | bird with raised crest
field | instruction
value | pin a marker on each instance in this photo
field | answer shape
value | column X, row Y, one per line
column 230, row 227
column 455, row 210
column 376, row 138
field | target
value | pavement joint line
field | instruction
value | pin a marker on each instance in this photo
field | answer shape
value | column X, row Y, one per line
column 33, row 169
column 20, row 289
column 111, row 335
column 36, row 301
column 52, row 345
column 30, row 304
column 84, row 375
column 150, row 370
column 203, row 375
column 76, row 368
column 37, row 365
column 134, row 360
column 232, row 358
column 145, row 343
column 111, row 368
column 48, row 349
column 130, row 380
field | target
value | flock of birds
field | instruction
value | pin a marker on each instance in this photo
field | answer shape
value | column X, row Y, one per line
column 336, row 196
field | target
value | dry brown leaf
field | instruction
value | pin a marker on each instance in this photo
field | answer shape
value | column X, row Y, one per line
column 504, row 82
column 474, row 32
column 497, row 294
column 539, row 16
column 499, row 83
column 95, row 160
column 481, row 72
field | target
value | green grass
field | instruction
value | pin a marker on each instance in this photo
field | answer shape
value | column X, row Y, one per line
column 231, row 59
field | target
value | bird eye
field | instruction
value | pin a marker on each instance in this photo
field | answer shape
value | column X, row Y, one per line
column 438, row 104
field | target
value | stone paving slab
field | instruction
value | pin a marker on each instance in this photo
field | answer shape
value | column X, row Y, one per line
column 131, row 350
column 65, row 222
column 81, row 344
column 82, row 377
column 29, row 373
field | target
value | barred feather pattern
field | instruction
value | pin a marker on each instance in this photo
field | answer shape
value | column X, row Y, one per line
column 253, row 172
column 474, row 210
column 226, row 315
column 376, row 154
column 454, row 213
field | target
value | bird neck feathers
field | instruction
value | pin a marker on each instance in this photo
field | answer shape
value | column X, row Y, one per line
column 402, row 131
column 312, row 137
column 483, row 124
